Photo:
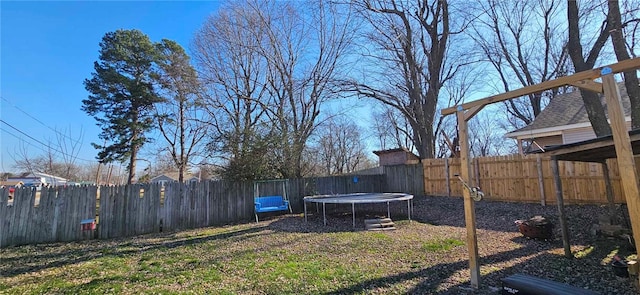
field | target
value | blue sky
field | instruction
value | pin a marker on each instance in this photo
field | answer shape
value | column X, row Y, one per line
column 47, row 49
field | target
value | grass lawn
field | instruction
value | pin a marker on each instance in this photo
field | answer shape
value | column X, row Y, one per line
column 232, row 260
column 283, row 255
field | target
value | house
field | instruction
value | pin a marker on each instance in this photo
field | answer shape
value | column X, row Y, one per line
column 11, row 183
column 171, row 177
column 563, row 121
column 37, row 179
column 398, row 156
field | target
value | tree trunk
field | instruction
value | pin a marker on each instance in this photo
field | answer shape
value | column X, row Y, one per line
column 595, row 111
column 630, row 78
column 182, row 164
column 592, row 103
column 132, row 158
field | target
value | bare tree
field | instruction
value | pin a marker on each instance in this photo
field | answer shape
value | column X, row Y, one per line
column 631, row 26
column 392, row 129
column 340, row 147
column 283, row 58
column 524, row 42
column 234, row 73
column 305, row 48
column 485, row 137
column 411, row 59
column 109, row 175
column 582, row 62
column 162, row 162
column 59, row 158
column 462, row 85
column 180, row 115
column 69, row 148
column 620, row 48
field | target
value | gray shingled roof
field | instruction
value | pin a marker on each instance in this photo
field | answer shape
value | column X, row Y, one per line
column 567, row 109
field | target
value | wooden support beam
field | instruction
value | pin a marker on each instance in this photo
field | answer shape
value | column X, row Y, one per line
column 469, row 206
column 472, row 112
column 560, row 200
column 624, row 152
column 454, row 153
column 588, row 85
column 520, row 150
column 622, row 66
column 609, row 188
column 543, row 198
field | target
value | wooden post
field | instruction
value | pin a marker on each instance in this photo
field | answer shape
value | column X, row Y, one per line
column 559, row 198
column 447, row 177
column 626, row 163
column 520, row 151
column 469, row 206
column 609, row 189
column 543, row 198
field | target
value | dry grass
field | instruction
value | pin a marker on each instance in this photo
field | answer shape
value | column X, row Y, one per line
column 283, row 255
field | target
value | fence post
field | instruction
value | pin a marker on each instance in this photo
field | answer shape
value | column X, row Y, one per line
column 446, row 176
column 543, row 199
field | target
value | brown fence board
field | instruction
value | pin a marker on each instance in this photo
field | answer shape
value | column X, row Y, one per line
column 516, row 178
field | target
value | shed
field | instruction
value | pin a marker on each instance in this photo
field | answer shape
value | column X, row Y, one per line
column 397, row 156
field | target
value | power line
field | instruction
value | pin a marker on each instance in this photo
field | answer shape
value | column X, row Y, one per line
column 37, row 120
column 21, row 139
column 43, row 144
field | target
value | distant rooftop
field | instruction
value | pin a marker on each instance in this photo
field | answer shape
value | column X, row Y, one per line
column 568, row 109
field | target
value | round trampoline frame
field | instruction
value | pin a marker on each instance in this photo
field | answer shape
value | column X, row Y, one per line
column 357, row 198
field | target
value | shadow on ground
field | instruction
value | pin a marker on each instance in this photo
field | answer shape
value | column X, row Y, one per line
column 61, row 254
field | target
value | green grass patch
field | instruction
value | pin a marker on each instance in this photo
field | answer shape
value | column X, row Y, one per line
column 441, row 245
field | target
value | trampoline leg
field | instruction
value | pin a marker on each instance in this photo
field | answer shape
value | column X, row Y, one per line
column 409, row 209
column 305, row 211
column 256, row 217
column 324, row 214
column 353, row 212
column 388, row 212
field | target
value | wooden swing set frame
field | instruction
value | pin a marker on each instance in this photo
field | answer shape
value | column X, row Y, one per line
column 621, row 140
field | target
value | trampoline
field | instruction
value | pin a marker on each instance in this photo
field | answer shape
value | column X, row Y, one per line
column 357, row 198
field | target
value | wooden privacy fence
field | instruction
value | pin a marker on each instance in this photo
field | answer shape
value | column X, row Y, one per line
column 524, row 179
column 55, row 214
column 56, row 217
column 405, row 179
column 146, row 208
